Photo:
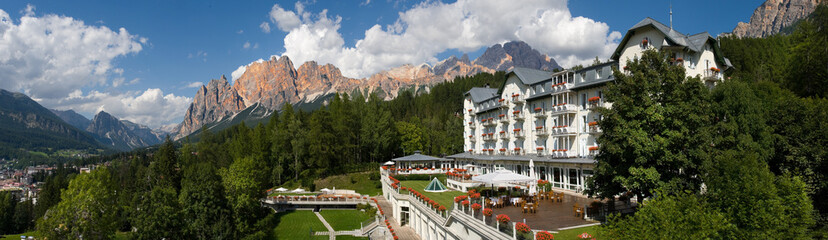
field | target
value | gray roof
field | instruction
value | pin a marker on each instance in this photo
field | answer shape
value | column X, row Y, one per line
column 418, row 157
column 480, row 94
column 530, row 76
column 693, row 42
column 526, row 158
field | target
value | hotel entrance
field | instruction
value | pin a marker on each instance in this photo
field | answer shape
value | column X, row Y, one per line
column 403, row 216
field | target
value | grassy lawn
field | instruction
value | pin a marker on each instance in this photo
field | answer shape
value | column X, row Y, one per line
column 297, row 224
column 359, row 182
column 291, row 194
column 345, row 237
column 573, row 233
column 344, row 220
column 443, row 198
column 17, row 236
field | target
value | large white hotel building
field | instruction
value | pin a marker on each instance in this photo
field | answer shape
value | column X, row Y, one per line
column 548, row 117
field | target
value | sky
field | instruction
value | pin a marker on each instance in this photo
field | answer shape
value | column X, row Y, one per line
column 144, row 61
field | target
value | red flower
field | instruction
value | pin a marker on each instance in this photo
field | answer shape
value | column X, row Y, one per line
column 593, row 99
column 584, row 236
column 487, row 212
column 522, row 227
column 442, row 208
column 544, row 235
column 476, row 206
column 593, row 148
column 465, row 202
column 538, row 109
column 502, row 218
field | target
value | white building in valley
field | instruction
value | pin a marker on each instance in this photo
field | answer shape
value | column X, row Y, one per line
column 549, row 118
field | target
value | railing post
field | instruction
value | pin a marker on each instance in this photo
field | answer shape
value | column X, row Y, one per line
column 514, row 230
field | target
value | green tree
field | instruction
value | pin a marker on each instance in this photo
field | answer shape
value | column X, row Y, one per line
column 654, row 135
column 87, row 209
column 203, row 204
column 165, row 167
column 807, row 72
column 24, row 216
column 7, row 207
column 158, row 215
column 681, row 216
column 412, row 137
column 245, row 182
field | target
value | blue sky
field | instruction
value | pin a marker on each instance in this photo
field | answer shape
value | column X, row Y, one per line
column 148, row 74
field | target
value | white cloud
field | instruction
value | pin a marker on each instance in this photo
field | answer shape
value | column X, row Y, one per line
column 150, row 107
column 239, row 31
column 365, row 3
column 286, row 20
column 50, row 56
column 265, row 27
column 237, row 73
column 194, row 85
column 429, row 28
column 246, row 45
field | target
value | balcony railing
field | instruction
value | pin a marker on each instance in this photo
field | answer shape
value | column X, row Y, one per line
column 712, row 74
column 541, row 131
column 562, row 153
column 503, row 118
column 564, row 108
column 540, row 113
column 518, row 133
column 594, row 129
column 517, row 114
column 541, row 151
column 593, row 151
column 489, row 137
column 563, row 130
column 517, row 99
column 489, row 122
column 517, row 151
column 504, row 135
column 471, row 112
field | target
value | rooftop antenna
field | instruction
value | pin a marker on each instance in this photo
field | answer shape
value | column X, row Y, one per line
column 671, row 15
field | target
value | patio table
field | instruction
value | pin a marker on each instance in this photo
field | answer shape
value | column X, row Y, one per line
column 515, row 201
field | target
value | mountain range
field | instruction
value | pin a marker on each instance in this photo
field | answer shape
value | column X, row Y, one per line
column 112, row 132
column 272, row 83
column 775, row 15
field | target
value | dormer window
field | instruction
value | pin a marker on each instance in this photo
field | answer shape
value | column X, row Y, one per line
column 645, row 42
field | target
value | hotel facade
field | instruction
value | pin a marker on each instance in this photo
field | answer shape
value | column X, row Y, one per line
column 545, row 117
column 550, row 117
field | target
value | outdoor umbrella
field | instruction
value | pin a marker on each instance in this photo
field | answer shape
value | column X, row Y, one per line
column 281, row 189
column 533, row 187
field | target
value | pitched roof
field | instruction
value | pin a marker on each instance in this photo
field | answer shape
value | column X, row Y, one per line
column 480, row 94
column 530, row 76
column 417, row 157
column 693, row 42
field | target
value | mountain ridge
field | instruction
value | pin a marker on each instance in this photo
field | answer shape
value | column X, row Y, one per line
column 774, row 15
column 275, row 82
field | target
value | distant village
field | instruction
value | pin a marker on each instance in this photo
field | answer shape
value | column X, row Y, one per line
column 21, row 182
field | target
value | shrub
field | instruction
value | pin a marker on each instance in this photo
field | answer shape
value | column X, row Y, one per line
column 502, row 218
column 487, row 212
column 522, row 227
column 544, row 235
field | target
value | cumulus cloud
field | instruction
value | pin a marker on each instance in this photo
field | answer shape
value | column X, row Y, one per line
column 429, row 28
column 246, row 45
column 194, row 85
column 237, row 73
column 48, row 57
column 150, row 107
column 265, row 27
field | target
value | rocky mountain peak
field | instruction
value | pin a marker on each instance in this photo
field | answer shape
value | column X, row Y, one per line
column 774, row 15
column 515, row 54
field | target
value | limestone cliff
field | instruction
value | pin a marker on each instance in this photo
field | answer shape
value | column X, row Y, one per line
column 774, row 15
column 210, row 104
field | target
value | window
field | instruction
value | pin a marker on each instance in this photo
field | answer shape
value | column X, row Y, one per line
column 598, row 73
column 645, row 42
column 601, row 95
column 583, row 100
column 584, row 124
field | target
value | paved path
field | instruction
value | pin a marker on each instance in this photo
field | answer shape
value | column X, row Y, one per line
column 404, row 232
column 332, row 235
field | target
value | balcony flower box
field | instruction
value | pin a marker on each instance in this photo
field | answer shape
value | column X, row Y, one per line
column 491, row 118
column 592, row 124
column 470, row 136
column 539, row 148
column 516, row 95
column 516, row 112
column 714, row 69
column 471, row 150
column 491, row 149
column 516, row 130
column 593, row 148
column 626, row 68
column 501, row 115
column 538, row 127
column 470, row 110
column 645, row 41
column 500, row 100
column 517, row 149
column 484, row 120
column 537, row 109
column 680, row 59
column 502, row 132
column 491, row 134
column 470, row 123
column 502, row 149
column 483, row 135
column 594, row 99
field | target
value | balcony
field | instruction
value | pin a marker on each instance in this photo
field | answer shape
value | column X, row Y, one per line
column 517, row 115
column 563, row 130
column 541, row 131
column 504, row 135
column 593, row 151
column 713, row 74
column 471, row 112
column 562, row 153
column 503, row 118
column 564, row 108
column 561, row 86
column 517, row 99
column 518, row 132
column 503, row 103
column 502, row 151
column 472, row 125
column 540, row 151
column 472, row 139
column 517, row 151
column 540, row 113
column 593, row 128
column 594, row 102
column 489, row 122
column 489, row 137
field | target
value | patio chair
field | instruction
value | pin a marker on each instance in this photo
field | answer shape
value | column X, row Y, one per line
column 577, row 210
column 523, row 205
column 535, row 207
column 560, row 196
